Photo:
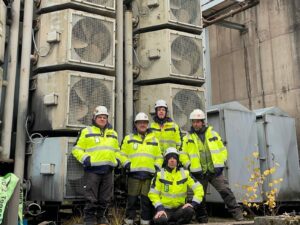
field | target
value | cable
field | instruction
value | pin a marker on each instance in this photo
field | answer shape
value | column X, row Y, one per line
column 34, row 43
column 138, row 61
column 30, row 137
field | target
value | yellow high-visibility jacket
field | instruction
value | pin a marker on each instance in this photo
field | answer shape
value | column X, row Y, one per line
column 191, row 150
column 103, row 148
column 169, row 189
column 143, row 154
column 168, row 135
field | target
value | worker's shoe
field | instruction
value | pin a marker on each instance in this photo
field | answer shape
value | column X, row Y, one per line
column 128, row 221
column 203, row 219
column 102, row 221
column 238, row 216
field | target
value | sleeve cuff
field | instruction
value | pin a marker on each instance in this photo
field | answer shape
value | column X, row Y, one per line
column 160, row 208
column 194, row 204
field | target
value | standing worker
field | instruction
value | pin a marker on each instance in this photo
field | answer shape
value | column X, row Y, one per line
column 164, row 128
column 204, row 153
column 168, row 192
column 97, row 148
column 141, row 157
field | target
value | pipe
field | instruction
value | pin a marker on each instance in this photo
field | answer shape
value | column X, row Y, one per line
column 230, row 13
column 22, row 109
column 207, row 69
column 119, row 71
column 128, row 73
column 12, row 48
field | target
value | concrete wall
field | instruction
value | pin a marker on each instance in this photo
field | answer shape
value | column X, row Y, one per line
column 260, row 68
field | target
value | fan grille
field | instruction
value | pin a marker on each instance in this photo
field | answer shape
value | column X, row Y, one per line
column 186, row 56
column 186, row 11
column 85, row 94
column 105, row 3
column 92, row 40
column 183, row 103
column 74, row 176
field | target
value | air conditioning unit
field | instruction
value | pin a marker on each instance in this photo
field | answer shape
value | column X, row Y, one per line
column 54, row 173
column 169, row 55
column 71, row 39
column 2, row 30
column 179, row 14
column 65, row 100
column 181, row 100
column 103, row 7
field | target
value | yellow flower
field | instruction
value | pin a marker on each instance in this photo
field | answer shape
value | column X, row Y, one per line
column 255, row 154
column 266, row 172
column 272, row 170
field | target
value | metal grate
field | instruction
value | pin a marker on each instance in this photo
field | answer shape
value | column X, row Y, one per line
column 92, row 40
column 104, row 3
column 85, row 94
column 186, row 55
column 183, row 103
column 74, row 177
column 186, row 11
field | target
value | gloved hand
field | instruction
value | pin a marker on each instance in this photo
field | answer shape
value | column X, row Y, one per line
column 218, row 171
column 87, row 162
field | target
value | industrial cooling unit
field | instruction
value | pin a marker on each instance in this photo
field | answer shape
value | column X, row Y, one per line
column 178, row 14
column 65, row 99
column 70, row 39
column 169, row 55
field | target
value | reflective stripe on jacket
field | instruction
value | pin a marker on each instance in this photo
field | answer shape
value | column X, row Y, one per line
column 168, row 135
column 103, row 148
column 169, row 189
column 143, row 154
column 191, row 148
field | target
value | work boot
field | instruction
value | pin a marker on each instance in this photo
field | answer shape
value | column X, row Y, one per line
column 128, row 221
column 145, row 222
column 238, row 216
column 102, row 221
column 203, row 219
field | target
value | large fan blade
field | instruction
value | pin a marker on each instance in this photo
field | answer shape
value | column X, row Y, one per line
column 91, row 40
column 186, row 56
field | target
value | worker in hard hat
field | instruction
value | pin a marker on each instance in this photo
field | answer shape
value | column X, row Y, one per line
column 204, row 153
column 168, row 191
column 164, row 128
column 141, row 157
column 97, row 149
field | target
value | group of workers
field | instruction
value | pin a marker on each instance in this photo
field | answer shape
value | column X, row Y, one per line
column 161, row 166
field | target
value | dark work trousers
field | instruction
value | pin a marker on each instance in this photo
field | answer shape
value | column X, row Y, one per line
column 139, row 188
column 97, row 193
column 176, row 216
column 220, row 183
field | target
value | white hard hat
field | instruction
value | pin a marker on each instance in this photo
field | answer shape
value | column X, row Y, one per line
column 141, row 117
column 161, row 103
column 171, row 150
column 100, row 110
column 197, row 114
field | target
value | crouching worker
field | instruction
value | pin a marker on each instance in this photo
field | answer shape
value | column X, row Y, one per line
column 169, row 189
